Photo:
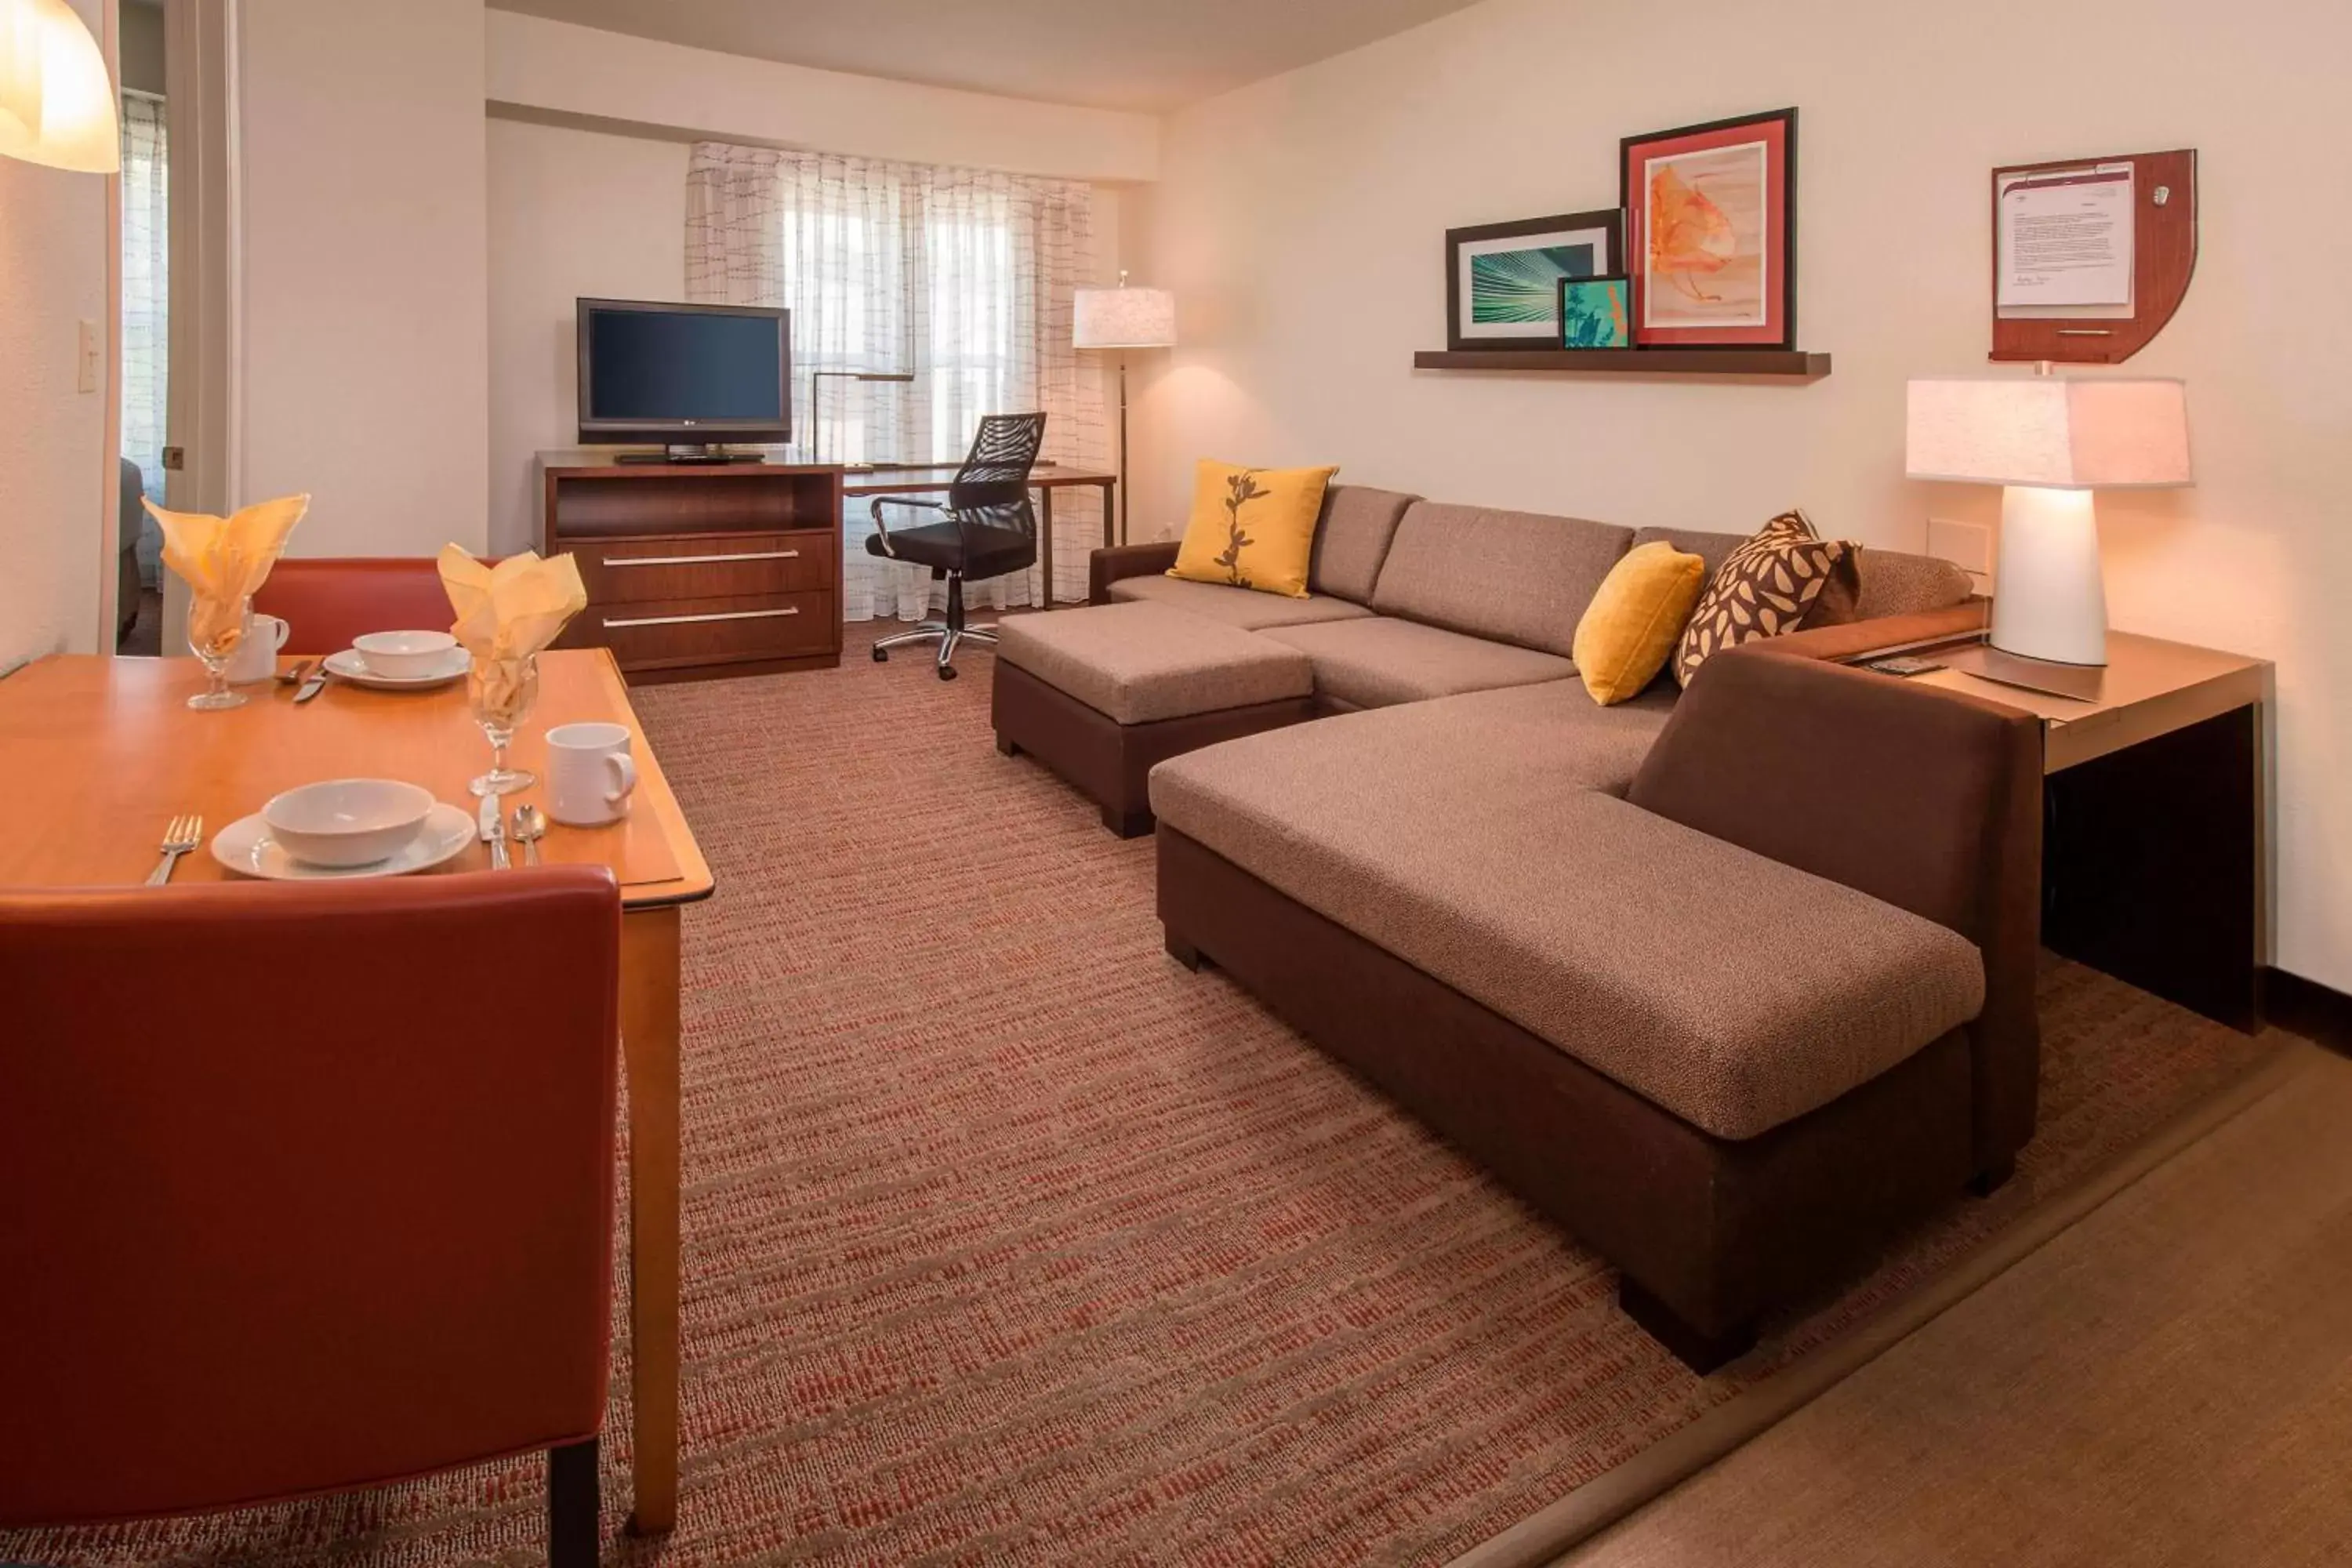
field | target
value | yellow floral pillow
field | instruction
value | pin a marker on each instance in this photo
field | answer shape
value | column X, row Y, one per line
column 1253, row 528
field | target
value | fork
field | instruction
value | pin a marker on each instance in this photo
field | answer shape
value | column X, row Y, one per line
column 184, row 834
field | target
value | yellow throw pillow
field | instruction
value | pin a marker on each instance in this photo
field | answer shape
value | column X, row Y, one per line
column 1629, row 629
column 1253, row 528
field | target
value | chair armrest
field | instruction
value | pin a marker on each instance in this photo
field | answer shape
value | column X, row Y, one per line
column 882, row 529
column 1108, row 566
column 1927, row 799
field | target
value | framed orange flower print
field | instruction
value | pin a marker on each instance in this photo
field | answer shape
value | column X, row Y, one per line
column 1712, row 242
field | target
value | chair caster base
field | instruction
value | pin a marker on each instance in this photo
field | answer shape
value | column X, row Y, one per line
column 881, row 655
column 947, row 672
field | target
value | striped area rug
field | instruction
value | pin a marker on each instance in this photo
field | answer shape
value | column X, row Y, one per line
column 1009, row 1241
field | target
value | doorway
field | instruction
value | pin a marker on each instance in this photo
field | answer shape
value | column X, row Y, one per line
column 144, row 329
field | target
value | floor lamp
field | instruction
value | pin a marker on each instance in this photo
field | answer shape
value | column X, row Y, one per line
column 2049, row 442
column 1122, row 319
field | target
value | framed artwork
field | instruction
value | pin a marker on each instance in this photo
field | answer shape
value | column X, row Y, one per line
column 1713, row 210
column 1502, row 280
column 1596, row 312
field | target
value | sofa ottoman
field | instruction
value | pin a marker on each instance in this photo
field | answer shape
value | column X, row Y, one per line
column 1102, row 695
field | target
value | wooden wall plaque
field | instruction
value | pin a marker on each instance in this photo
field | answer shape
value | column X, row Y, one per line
column 2164, row 257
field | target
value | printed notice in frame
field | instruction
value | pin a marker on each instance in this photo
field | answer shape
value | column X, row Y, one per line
column 2066, row 238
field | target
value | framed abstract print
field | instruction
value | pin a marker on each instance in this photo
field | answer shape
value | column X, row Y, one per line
column 1712, row 216
column 1596, row 312
column 1502, row 280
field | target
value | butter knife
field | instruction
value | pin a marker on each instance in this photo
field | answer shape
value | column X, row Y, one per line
column 315, row 684
column 493, row 829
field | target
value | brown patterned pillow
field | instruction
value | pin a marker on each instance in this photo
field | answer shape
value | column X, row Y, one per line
column 1763, row 589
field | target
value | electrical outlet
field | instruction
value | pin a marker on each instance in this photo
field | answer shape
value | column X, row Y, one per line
column 1968, row 545
column 87, row 362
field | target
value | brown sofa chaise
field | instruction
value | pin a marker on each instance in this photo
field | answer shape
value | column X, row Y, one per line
column 1731, row 982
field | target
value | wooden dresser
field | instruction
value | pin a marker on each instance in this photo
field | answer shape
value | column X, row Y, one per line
column 696, row 571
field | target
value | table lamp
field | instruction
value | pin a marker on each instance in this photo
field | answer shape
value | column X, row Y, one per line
column 816, row 405
column 1121, row 319
column 2049, row 442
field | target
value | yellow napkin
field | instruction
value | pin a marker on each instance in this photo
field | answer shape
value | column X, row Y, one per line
column 222, row 560
column 506, row 613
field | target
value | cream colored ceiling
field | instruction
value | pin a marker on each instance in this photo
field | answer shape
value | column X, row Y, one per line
column 1111, row 53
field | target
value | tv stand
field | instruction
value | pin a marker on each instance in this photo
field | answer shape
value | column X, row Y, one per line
column 708, row 456
column 699, row 569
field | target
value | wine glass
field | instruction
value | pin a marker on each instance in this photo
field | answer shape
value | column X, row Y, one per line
column 503, row 692
column 216, row 629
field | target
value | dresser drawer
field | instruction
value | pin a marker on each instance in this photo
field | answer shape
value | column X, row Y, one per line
column 643, row 571
column 659, row 633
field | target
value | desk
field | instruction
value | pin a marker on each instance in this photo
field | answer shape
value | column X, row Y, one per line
column 102, row 752
column 918, row 478
column 2154, row 851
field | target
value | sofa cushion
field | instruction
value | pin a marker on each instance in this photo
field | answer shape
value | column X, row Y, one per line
column 1733, row 990
column 1251, row 527
column 1358, row 524
column 1511, row 576
column 1629, row 629
column 1235, row 606
column 1894, row 583
column 1137, row 663
column 1380, row 660
column 1765, row 588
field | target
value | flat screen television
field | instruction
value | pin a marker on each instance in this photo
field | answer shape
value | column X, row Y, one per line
column 689, row 377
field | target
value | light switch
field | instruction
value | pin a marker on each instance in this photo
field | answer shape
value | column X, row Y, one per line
column 86, row 376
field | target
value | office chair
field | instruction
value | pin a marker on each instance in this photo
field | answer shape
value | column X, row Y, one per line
column 347, row 1226
column 990, row 528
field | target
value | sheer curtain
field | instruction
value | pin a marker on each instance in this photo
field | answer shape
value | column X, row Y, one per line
column 146, row 301
column 962, row 276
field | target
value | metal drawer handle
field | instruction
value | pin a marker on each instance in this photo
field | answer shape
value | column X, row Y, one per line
column 691, row 620
column 701, row 560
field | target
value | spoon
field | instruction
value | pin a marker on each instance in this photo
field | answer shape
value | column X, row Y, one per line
column 529, row 827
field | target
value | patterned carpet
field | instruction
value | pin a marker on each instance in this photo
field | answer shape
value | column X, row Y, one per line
column 1008, row 1241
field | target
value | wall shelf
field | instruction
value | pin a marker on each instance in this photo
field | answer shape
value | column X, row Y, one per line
column 1795, row 363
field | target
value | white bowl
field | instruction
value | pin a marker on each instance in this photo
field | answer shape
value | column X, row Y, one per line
column 405, row 654
column 347, row 822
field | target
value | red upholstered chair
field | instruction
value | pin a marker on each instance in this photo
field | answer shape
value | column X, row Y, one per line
column 332, row 1207
column 327, row 602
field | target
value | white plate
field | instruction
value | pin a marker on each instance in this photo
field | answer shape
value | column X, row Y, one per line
column 349, row 666
column 246, row 847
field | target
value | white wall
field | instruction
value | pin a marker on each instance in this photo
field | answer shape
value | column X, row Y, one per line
column 594, row 201
column 572, row 212
column 365, row 297
column 53, row 506
column 555, row 66
column 1301, row 221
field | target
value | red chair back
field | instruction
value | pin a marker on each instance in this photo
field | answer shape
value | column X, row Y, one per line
column 326, row 603
column 301, row 1187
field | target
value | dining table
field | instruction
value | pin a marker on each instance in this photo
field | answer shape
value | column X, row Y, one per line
column 101, row 754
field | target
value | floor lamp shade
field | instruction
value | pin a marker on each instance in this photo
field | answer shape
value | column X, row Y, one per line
column 56, row 103
column 2049, row 443
column 1123, row 317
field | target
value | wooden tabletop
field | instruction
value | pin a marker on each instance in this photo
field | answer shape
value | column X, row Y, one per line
column 2150, row 687
column 101, row 753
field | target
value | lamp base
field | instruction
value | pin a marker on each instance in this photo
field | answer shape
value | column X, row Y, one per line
column 2050, row 601
column 2082, row 682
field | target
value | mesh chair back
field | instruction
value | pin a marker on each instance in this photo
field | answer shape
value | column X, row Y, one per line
column 993, row 483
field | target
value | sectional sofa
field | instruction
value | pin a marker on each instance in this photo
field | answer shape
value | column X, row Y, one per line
column 1733, row 982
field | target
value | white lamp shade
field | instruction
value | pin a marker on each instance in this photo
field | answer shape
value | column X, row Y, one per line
column 56, row 103
column 2049, row 432
column 1123, row 319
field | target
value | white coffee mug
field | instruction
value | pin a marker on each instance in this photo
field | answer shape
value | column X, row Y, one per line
column 590, row 773
column 255, row 658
